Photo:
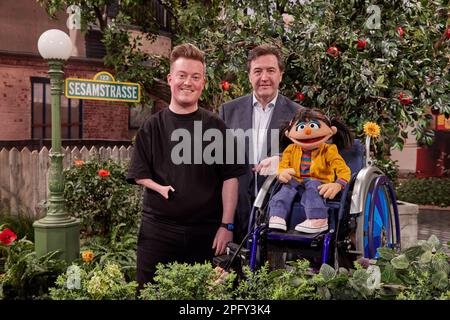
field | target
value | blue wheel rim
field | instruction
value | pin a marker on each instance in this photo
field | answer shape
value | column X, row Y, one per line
column 381, row 223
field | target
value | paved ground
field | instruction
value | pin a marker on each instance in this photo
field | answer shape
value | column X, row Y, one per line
column 435, row 222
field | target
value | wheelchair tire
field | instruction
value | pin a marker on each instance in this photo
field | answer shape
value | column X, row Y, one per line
column 377, row 222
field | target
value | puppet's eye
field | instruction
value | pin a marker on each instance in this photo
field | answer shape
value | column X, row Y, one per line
column 313, row 125
column 301, row 127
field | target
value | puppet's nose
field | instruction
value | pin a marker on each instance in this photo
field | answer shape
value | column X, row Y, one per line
column 308, row 131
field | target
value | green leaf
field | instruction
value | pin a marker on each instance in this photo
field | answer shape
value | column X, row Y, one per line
column 439, row 280
column 400, row 262
column 327, row 272
column 386, row 253
column 426, row 257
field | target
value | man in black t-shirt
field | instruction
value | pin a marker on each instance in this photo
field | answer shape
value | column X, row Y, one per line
column 189, row 200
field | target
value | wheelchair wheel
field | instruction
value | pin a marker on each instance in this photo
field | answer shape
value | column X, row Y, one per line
column 378, row 221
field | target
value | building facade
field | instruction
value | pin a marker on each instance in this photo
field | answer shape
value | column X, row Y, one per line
column 25, row 112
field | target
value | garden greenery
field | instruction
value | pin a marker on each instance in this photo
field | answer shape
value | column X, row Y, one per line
column 342, row 57
column 97, row 283
column 426, row 191
column 96, row 192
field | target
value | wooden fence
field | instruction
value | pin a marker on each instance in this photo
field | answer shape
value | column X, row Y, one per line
column 24, row 174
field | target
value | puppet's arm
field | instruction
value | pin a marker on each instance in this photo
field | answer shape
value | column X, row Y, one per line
column 329, row 190
column 162, row 190
column 285, row 172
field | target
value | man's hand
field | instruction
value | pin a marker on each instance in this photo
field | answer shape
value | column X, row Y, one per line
column 286, row 175
column 223, row 236
column 164, row 191
column 329, row 190
column 268, row 166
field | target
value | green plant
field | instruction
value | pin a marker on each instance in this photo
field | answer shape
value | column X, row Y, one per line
column 429, row 191
column 420, row 272
column 389, row 168
column 29, row 276
column 294, row 283
column 181, row 281
column 120, row 250
column 97, row 283
column 97, row 193
column 21, row 223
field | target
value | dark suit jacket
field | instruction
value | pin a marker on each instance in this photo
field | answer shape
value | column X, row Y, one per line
column 238, row 114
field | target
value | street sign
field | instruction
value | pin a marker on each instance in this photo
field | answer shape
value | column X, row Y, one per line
column 103, row 87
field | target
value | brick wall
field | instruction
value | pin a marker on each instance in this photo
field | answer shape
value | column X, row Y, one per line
column 105, row 120
column 101, row 120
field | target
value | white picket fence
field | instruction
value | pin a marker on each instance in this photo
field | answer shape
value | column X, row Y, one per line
column 24, row 174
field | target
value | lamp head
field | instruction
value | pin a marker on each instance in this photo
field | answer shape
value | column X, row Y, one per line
column 55, row 44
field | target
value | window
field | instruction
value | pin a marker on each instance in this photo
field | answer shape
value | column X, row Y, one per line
column 41, row 112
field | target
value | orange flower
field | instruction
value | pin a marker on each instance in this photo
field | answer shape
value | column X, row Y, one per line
column 78, row 163
column 372, row 129
column 103, row 173
column 87, row 256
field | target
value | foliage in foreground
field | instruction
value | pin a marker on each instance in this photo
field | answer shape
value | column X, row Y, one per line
column 420, row 272
column 97, row 283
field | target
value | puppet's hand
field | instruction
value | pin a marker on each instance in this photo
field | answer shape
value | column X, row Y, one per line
column 164, row 191
column 329, row 190
column 268, row 166
column 286, row 175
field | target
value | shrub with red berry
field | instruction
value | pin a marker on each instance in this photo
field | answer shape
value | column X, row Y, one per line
column 99, row 195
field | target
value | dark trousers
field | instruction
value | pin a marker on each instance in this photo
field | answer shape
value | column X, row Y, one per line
column 167, row 242
column 313, row 203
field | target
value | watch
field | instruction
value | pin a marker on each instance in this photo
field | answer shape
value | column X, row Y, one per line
column 228, row 226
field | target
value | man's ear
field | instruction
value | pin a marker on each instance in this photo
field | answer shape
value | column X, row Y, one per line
column 169, row 78
column 333, row 129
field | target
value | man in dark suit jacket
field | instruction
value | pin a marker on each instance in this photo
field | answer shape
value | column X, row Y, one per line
column 264, row 112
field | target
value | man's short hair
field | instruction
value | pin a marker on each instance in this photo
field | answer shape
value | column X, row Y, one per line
column 264, row 50
column 188, row 51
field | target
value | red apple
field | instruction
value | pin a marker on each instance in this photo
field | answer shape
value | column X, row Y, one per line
column 225, row 85
column 361, row 44
column 400, row 31
column 300, row 96
column 334, row 51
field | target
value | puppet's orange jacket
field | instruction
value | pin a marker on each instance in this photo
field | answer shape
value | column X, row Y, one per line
column 327, row 165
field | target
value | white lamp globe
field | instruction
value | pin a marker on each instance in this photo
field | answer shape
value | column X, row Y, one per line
column 55, row 44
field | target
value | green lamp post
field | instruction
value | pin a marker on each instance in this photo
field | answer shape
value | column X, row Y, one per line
column 57, row 230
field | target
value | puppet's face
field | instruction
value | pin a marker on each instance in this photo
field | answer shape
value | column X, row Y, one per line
column 310, row 134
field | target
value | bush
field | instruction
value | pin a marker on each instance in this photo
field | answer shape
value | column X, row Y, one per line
column 419, row 272
column 22, row 224
column 97, row 193
column 28, row 276
column 98, row 283
column 114, row 249
column 181, row 281
column 428, row 191
column 389, row 168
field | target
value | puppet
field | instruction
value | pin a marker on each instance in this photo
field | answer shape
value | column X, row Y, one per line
column 312, row 168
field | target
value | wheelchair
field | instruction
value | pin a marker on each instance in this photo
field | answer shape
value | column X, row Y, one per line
column 362, row 218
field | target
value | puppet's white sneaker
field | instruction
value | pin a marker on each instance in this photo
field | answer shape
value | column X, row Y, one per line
column 312, row 226
column 276, row 222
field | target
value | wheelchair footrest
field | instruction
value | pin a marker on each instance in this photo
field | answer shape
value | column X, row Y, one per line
column 293, row 235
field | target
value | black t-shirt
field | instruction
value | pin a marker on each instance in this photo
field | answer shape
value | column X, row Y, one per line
column 198, row 186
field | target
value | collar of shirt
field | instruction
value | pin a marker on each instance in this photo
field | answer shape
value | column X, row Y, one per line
column 270, row 105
